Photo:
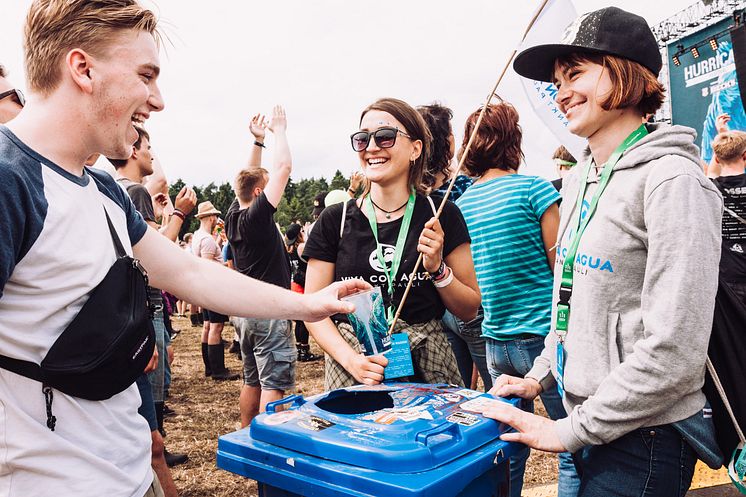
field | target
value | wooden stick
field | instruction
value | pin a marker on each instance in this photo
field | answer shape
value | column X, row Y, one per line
column 463, row 157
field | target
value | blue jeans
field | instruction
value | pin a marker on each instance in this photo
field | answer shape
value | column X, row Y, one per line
column 157, row 377
column 515, row 358
column 468, row 346
column 647, row 462
column 147, row 406
column 167, row 371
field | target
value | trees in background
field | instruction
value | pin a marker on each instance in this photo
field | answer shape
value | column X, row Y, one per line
column 296, row 204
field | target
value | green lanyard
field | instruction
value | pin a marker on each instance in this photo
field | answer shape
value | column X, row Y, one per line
column 565, row 290
column 398, row 250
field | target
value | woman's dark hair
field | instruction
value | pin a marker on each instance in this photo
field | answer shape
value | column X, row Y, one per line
column 414, row 126
column 438, row 120
column 497, row 144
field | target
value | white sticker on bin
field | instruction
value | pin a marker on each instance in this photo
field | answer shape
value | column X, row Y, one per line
column 469, row 394
column 281, row 417
column 480, row 404
column 389, row 415
column 463, row 418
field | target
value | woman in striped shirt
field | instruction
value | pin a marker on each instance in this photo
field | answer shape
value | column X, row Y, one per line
column 512, row 220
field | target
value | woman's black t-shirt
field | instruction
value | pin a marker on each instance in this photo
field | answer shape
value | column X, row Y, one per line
column 355, row 256
column 298, row 266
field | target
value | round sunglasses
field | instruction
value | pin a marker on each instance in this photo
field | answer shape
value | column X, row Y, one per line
column 384, row 137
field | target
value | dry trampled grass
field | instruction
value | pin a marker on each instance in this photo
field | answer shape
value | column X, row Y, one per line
column 207, row 409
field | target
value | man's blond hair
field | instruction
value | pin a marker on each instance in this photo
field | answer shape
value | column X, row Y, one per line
column 54, row 27
column 729, row 146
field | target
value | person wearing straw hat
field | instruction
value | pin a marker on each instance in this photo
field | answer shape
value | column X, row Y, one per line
column 205, row 246
column 632, row 311
column 378, row 238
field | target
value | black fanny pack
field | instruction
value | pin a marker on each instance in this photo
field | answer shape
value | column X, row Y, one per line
column 108, row 344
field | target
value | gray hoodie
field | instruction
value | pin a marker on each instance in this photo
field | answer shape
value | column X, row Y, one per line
column 643, row 295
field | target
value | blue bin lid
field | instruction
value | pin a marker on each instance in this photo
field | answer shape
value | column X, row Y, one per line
column 393, row 428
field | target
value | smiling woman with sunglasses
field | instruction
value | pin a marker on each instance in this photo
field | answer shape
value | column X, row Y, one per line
column 393, row 221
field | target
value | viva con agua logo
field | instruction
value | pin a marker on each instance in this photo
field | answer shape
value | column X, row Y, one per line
column 583, row 261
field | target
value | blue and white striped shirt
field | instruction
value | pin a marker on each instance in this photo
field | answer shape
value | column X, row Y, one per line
column 503, row 216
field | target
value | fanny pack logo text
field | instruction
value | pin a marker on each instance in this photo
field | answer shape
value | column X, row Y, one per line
column 139, row 349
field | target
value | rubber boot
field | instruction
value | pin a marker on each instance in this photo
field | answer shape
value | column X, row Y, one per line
column 174, row 459
column 194, row 320
column 206, row 360
column 217, row 363
column 305, row 355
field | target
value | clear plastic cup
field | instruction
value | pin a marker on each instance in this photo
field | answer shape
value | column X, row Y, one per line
column 369, row 321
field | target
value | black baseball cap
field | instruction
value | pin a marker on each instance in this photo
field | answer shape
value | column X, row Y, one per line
column 609, row 31
column 292, row 233
column 318, row 203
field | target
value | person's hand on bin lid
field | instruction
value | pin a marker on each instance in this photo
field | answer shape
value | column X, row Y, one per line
column 506, row 386
column 535, row 431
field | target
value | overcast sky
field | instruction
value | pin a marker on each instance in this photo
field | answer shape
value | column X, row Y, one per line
column 324, row 60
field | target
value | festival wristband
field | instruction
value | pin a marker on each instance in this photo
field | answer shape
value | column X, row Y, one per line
column 259, row 144
column 444, row 282
column 179, row 214
column 440, row 272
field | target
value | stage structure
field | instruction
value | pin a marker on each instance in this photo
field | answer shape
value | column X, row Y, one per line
column 704, row 67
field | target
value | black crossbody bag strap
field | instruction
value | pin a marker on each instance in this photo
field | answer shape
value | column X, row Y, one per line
column 118, row 247
column 31, row 369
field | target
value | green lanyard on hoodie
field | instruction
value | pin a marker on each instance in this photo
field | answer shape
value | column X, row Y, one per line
column 562, row 318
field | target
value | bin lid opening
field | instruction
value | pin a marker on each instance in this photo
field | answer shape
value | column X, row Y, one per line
column 355, row 402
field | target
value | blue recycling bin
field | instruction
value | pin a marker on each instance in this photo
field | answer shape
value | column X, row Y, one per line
column 392, row 440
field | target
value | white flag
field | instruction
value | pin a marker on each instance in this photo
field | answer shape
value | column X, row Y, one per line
column 548, row 28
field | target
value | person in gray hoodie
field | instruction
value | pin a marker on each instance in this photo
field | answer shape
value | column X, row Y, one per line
column 635, row 275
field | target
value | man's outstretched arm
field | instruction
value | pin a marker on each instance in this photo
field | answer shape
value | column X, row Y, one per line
column 216, row 287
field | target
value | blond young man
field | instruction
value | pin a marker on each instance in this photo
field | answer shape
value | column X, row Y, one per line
column 730, row 154
column 728, row 171
column 92, row 70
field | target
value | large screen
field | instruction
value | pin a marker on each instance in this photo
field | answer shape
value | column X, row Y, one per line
column 705, row 86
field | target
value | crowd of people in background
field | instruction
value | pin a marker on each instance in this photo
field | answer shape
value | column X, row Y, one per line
column 576, row 291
